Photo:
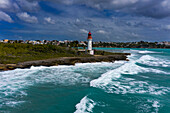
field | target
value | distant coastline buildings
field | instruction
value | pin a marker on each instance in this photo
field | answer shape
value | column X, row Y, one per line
column 89, row 44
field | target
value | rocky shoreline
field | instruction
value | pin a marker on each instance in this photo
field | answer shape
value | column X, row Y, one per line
column 64, row 61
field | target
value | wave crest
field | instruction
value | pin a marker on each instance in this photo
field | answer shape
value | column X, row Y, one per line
column 113, row 82
column 85, row 106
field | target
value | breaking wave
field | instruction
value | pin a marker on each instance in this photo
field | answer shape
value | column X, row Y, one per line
column 120, row 77
column 113, row 82
column 85, row 106
column 152, row 61
column 15, row 83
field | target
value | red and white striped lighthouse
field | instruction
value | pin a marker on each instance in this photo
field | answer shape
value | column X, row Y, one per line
column 89, row 48
column 89, row 38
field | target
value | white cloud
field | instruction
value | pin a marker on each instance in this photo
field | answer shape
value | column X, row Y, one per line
column 5, row 17
column 134, row 34
column 124, row 2
column 76, row 25
column 19, row 5
column 166, row 3
column 167, row 27
column 77, row 20
column 83, row 31
column 8, row 5
column 150, row 8
column 101, row 32
column 27, row 18
column 28, row 6
column 4, row 3
column 49, row 20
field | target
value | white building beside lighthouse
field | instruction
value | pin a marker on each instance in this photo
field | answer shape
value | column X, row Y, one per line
column 89, row 48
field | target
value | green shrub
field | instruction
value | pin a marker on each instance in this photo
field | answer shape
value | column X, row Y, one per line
column 17, row 52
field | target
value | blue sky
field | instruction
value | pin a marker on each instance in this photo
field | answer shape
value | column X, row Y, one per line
column 108, row 20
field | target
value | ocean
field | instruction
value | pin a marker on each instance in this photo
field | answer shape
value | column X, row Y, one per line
column 141, row 85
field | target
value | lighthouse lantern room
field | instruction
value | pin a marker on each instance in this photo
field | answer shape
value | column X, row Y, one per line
column 89, row 48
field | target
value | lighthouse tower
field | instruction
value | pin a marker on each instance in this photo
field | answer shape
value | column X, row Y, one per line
column 89, row 48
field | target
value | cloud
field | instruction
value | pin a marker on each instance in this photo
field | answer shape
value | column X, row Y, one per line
column 28, row 6
column 83, row 31
column 8, row 5
column 49, row 20
column 149, row 8
column 67, row 29
column 5, row 17
column 108, row 20
column 27, row 18
column 77, row 20
column 167, row 27
column 134, row 34
column 19, row 5
column 4, row 3
column 101, row 32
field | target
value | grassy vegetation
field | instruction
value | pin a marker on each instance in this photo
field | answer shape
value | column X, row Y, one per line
column 16, row 52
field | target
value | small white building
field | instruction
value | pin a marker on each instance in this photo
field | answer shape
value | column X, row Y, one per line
column 89, row 48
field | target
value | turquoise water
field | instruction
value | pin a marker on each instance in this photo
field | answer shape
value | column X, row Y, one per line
column 141, row 85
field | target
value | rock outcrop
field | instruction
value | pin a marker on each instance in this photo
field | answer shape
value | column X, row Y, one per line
column 64, row 61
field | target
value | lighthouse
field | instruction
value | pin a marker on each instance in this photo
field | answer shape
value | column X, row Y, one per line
column 89, row 48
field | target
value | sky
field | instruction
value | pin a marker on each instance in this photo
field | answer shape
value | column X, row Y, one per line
column 108, row 20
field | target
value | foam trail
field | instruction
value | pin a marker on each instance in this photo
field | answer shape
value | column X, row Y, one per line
column 85, row 106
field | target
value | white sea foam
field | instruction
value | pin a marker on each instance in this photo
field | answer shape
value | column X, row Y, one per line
column 112, row 82
column 13, row 103
column 13, row 83
column 146, row 51
column 152, row 61
column 155, row 105
column 16, row 81
column 134, row 51
column 128, row 68
column 147, row 106
column 19, row 78
column 86, row 105
column 143, row 51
